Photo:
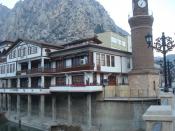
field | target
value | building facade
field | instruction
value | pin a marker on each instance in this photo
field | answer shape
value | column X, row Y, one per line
column 34, row 74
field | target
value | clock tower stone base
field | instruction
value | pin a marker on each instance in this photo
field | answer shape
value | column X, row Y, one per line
column 144, row 83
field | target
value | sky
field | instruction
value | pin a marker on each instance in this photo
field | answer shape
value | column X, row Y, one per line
column 163, row 13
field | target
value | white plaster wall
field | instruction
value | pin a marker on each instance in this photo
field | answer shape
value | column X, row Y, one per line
column 125, row 68
column 24, row 57
column 94, row 60
column 118, row 63
column 98, row 78
column 8, row 74
column 129, row 44
column 109, row 69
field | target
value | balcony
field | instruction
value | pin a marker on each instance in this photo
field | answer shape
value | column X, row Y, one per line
column 78, row 88
column 24, row 90
column 55, row 70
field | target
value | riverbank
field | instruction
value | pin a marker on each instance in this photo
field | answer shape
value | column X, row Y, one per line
column 10, row 126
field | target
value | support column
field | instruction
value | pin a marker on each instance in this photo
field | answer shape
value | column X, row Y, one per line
column 18, row 82
column 53, row 81
column 4, row 102
column 89, row 111
column 18, row 107
column 0, row 102
column 53, row 108
column 29, row 82
column 9, row 103
column 9, row 83
column 42, row 81
column 29, row 65
column 29, row 107
column 42, row 105
column 69, row 109
column 42, row 62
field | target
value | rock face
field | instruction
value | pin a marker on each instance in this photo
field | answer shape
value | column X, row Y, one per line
column 4, row 13
column 53, row 20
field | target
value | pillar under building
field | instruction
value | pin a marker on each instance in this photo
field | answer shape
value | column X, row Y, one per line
column 42, row 106
column 18, row 107
column 69, row 109
column 8, row 104
column 53, row 108
column 29, row 106
column 89, row 110
column 0, row 103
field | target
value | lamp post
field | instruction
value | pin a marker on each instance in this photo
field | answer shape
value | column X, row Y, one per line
column 163, row 45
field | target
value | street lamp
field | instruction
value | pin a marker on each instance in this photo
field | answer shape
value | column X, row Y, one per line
column 163, row 45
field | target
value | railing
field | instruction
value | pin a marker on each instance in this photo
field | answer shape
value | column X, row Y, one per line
column 25, row 90
column 75, row 85
column 55, row 70
column 73, row 88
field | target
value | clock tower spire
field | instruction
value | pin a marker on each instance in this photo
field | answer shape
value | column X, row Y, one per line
column 144, row 77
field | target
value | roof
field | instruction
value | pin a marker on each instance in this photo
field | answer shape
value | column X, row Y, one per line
column 84, row 47
column 6, row 41
column 94, row 38
column 57, row 45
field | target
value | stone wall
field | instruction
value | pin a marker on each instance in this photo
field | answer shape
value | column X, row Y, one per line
column 104, row 116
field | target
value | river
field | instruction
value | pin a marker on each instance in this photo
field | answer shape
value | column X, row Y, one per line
column 9, row 126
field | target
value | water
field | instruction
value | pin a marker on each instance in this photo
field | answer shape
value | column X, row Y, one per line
column 9, row 126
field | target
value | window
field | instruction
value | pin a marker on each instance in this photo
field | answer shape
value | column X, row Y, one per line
column 113, row 40
column 11, row 68
column 14, row 54
column 102, row 60
column 32, row 50
column 10, row 56
column 108, row 60
column 98, row 59
column 22, row 52
column 8, row 69
column 68, row 63
column 123, row 43
column 78, row 79
column 19, row 52
column 61, row 80
column 112, row 61
column 3, row 69
column 76, row 61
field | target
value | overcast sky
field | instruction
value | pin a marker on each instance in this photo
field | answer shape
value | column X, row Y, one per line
column 163, row 12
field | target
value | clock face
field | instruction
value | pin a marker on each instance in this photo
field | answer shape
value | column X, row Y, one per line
column 142, row 3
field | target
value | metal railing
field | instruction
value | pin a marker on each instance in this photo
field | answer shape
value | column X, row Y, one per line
column 55, row 70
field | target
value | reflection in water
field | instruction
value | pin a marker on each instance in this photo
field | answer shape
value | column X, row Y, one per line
column 9, row 126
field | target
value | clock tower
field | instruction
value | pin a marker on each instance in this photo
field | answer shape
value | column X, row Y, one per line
column 144, row 77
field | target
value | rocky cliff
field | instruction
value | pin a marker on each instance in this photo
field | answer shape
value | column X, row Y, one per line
column 52, row 20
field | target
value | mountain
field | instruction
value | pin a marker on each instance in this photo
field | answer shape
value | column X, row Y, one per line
column 53, row 20
column 4, row 14
column 170, row 57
